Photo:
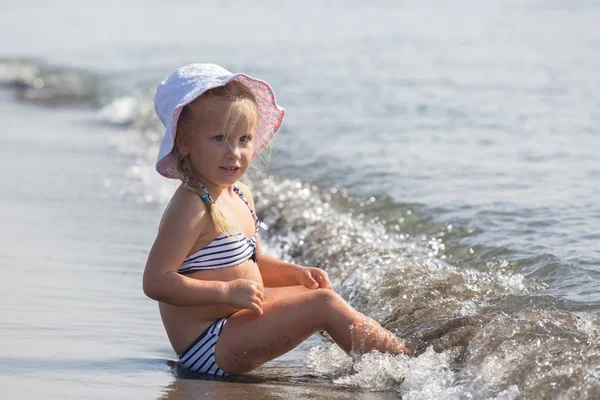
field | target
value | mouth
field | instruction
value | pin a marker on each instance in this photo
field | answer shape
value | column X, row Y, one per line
column 230, row 169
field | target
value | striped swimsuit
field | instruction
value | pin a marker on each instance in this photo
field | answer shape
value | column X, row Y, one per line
column 200, row 355
column 224, row 251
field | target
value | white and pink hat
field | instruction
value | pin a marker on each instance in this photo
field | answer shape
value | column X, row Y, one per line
column 185, row 84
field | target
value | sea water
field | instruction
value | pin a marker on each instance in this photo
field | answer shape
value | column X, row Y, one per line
column 440, row 161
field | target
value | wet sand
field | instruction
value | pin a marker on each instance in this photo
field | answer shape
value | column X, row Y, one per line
column 186, row 389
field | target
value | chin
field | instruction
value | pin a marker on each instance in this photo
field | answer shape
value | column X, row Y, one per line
column 227, row 180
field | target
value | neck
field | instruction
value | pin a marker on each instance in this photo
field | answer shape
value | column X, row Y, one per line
column 214, row 191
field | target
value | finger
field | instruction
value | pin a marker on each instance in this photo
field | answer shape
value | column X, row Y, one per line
column 324, row 284
column 322, row 281
column 327, row 281
column 311, row 280
column 256, row 308
column 258, row 293
column 256, row 286
column 311, row 283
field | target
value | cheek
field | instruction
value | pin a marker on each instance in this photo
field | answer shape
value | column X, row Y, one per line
column 202, row 156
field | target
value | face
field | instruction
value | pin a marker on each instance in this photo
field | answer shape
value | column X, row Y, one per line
column 221, row 147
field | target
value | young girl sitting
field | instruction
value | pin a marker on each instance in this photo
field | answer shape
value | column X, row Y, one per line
column 206, row 268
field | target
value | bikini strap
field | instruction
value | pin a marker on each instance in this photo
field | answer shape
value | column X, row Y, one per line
column 241, row 194
column 235, row 189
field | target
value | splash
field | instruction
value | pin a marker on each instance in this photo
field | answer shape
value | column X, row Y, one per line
column 427, row 377
column 478, row 333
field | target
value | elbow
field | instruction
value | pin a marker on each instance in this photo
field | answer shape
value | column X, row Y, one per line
column 152, row 288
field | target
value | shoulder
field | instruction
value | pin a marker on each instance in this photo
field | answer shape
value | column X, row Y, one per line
column 184, row 220
column 185, row 210
column 247, row 193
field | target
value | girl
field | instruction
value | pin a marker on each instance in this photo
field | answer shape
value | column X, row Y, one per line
column 206, row 268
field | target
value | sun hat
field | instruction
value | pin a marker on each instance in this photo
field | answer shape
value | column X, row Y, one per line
column 185, row 84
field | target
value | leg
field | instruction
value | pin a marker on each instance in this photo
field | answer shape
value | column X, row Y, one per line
column 279, row 293
column 248, row 340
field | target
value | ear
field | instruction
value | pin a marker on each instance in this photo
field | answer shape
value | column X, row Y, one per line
column 184, row 150
column 183, row 147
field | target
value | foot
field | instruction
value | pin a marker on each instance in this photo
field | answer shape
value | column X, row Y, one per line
column 368, row 335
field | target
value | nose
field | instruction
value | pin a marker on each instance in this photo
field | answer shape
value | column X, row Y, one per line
column 234, row 151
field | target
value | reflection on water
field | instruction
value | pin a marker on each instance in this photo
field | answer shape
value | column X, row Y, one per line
column 440, row 166
column 266, row 383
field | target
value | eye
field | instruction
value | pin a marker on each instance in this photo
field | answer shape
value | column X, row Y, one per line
column 245, row 138
column 220, row 138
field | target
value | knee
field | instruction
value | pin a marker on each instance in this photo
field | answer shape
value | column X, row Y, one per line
column 328, row 299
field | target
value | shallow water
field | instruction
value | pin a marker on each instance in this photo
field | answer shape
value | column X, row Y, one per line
column 441, row 162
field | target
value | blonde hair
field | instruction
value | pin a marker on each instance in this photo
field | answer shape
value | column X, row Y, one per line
column 240, row 99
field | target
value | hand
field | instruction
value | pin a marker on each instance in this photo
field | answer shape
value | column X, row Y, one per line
column 244, row 293
column 313, row 278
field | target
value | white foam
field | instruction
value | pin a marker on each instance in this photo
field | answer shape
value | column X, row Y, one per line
column 329, row 360
column 586, row 324
column 429, row 377
column 121, row 110
column 425, row 377
column 377, row 371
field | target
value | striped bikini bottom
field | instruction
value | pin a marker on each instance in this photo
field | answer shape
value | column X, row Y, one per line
column 200, row 355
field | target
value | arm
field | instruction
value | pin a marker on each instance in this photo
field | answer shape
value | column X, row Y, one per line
column 277, row 273
column 185, row 220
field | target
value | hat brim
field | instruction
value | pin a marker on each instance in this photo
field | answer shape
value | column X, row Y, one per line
column 270, row 118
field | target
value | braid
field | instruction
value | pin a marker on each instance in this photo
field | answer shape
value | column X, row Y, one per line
column 191, row 116
column 219, row 219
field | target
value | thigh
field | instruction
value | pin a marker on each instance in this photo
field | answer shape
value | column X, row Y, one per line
column 249, row 340
column 279, row 293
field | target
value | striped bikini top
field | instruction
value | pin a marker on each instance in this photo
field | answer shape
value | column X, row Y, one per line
column 225, row 250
